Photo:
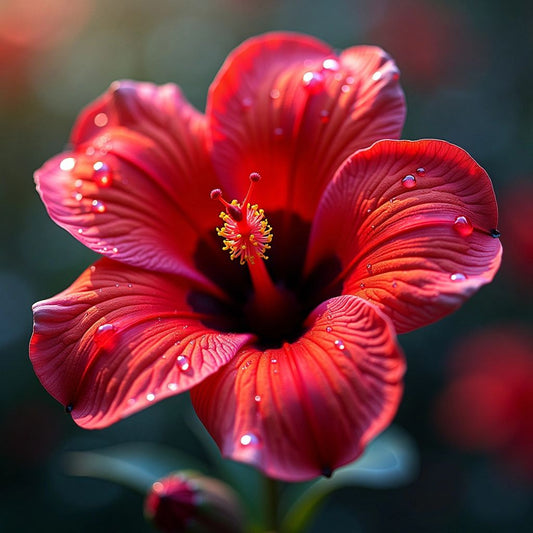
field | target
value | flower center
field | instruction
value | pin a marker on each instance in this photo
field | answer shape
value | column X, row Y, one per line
column 246, row 232
column 271, row 310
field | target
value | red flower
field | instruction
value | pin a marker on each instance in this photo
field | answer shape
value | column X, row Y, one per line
column 293, row 363
column 488, row 402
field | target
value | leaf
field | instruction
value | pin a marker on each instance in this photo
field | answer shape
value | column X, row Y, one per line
column 135, row 465
column 390, row 461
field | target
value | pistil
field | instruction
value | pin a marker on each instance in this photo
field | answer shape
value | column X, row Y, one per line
column 247, row 236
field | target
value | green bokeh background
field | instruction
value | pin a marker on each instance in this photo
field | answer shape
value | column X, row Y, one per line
column 467, row 72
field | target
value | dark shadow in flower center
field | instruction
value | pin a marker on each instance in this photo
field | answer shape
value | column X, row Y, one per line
column 300, row 296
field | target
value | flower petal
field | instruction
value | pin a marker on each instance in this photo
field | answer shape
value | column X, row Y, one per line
column 311, row 406
column 286, row 106
column 411, row 225
column 120, row 339
column 136, row 184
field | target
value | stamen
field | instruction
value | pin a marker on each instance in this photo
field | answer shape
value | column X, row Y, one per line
column 246, row 232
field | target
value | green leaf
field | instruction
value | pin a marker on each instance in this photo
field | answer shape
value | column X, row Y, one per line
column 135, row 465
column 390, row 461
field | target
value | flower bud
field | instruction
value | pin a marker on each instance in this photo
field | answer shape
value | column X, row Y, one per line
column 190, row 502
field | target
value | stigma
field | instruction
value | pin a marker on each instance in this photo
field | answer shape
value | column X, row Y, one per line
column 246, row 233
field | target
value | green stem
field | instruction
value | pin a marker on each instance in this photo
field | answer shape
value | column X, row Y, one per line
column 271, row 499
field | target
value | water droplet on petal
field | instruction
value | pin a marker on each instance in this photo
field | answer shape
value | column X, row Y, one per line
column 345, row 88
column 329, row 329
column 80, row 230
column 377, row 75
column 324, row 116
column 98, row 207
column 257, row 398
column 463, row 226
column 150, row 397
column 78, row 184
column 104, row 336
column 101, row 120
column 494, row 233
column 67, row 164
column 330, row 64
column 421, row 171
column 362, row 285
column 369, row 268
column 273, row 360
column 409, row 181
column 313, row 82
column 274, row 94
column 339, row 345
column 172, row 386
column 132, row 401
column 394, row 284
column 102, row 174
column 249, row 439
column 78, row 197
column 457, row 277
column 183, row 363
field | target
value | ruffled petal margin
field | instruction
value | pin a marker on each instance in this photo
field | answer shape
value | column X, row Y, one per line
column 412, row 226
column 135, row 186
column 286, row 106
column 311, row 406
column 120, row 339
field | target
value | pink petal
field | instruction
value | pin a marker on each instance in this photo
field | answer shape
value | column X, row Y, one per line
column 136, row 184
column 120, row 339
column 311, row 406
column 412, row 226
column 286, row 106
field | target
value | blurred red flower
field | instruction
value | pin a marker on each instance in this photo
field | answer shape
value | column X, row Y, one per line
column 294, row 366
column 517, row 220
column 488, row 402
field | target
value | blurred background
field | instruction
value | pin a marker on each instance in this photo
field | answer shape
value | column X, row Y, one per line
column 467, row 72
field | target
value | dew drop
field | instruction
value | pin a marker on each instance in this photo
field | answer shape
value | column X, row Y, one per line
column 324, row 116
column 275, row 94
column 257, row 398
column 313, row 82
column 78, row 184
column 377, row 75
column 345, row 88
column 409, row 181
column 463, row 226
column 246, row 103
column 172, row 386
column 98, row 207
column 132, row 401
column 350, row 80
column 114, row 250
column 369, row 268
column 104, row 335
column 494, row 233
column 329, row 329
column 421, row 171
column 330, row 64
column 183, row 363
column 69, row 408
column 101, row 120
column 130, row 285
column 394, row 284
column 80, row 230
column 67, row 164
column 362, row 285
column 102, row 174
column 339, row 345
column 457, row 277
column 150, row 397
column 249, row 439
column 78, row 197
column 273, row 361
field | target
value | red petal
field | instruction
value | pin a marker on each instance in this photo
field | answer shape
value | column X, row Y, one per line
column 416, row 243
column 286, row 106
column 120, row 339
column 136, row 187
column 310, row 406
